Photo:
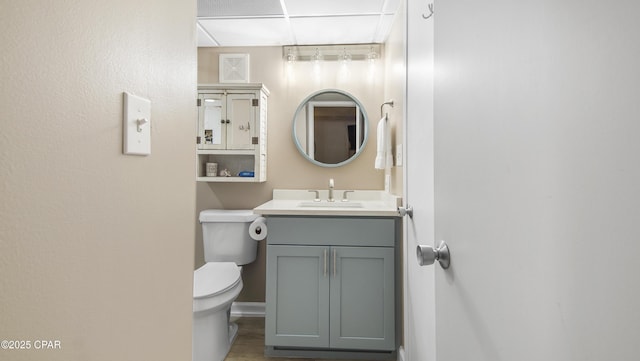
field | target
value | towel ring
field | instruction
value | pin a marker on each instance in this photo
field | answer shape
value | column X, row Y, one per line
column 390, row 102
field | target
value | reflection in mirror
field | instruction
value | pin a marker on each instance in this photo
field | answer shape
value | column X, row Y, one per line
column 330, row 128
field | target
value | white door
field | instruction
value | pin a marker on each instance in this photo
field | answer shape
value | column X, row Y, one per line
column 419, row 287
column 537, row 183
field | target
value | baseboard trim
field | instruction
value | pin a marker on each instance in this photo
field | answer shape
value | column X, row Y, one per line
column 248, row 309
column 401, row 354
column 293, row 352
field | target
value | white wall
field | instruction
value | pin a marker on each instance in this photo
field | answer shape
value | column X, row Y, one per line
column 537, row 173
column 96, row 248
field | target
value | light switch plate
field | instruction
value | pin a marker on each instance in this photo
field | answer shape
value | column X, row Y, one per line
column 399, row 155
column 137, row 125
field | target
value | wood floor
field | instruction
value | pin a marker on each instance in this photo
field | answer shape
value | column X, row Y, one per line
column 249, row 344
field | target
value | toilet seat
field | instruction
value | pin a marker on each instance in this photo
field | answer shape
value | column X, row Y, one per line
column 215, row 278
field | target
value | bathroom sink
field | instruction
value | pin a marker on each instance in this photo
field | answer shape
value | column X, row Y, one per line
column 301, row 202
column 337, row 204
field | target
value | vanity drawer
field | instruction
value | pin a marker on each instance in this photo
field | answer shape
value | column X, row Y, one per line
column 339, row 231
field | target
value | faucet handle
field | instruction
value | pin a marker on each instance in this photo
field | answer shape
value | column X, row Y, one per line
column 331, row 183
column 344, row 196
column 317, row 199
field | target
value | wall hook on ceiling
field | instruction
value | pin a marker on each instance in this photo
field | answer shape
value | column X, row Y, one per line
column 425, row 16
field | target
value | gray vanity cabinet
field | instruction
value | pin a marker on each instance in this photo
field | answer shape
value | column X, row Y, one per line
column 330, row 284
column 362, row 299
column 297, row 300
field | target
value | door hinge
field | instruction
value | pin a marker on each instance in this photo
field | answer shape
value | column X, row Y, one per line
column 255, row 102
column 198, row 140
column 199, row 102
column 254, row 140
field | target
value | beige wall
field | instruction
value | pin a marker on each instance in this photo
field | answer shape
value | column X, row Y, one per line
column 395, row 89
column 286, row 167
column 96, row 248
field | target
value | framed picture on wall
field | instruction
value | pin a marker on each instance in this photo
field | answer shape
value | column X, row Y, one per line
column 234, row 68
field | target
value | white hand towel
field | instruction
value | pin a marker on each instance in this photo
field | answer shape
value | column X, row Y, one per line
column 384, row 158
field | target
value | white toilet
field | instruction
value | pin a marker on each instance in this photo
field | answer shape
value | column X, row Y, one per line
column 227, row 246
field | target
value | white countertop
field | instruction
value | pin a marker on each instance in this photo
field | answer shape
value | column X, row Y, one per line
column 295, row 202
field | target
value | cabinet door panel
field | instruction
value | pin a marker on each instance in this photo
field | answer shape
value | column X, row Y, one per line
column 297, row 311
column 211, row 131
column 362, row 298
column 242, row 116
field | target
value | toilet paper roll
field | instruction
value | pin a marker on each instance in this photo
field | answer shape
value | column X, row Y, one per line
column 258, row 229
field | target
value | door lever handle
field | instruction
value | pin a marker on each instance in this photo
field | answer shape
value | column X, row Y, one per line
column 406, row 211
column 427, row 255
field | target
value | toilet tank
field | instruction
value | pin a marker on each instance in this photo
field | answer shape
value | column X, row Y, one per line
column 225, row 234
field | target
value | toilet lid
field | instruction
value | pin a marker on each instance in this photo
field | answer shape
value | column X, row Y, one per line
column 214, row 278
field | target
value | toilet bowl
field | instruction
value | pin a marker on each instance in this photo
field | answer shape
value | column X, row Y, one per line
column 227, row 246
column 215, row 286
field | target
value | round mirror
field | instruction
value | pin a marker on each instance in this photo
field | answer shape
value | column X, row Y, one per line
column 330, row 128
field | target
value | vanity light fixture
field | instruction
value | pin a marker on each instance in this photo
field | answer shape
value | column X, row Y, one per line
column 317, row 65
column 290, row 63
column 317, row 57
column 372, row 56
column 344, row 73
column 344, row 52
column 345, row 57
column 291, row 56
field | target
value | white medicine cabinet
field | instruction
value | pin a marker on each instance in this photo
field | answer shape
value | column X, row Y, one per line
column 232, row 132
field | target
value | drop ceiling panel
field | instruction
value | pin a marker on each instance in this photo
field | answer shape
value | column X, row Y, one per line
column 245, row 8
column 333, row 7
column 335, row 30
column 248, row 32
column 204, row 40
column 391, row 6
column 384, row 28
column 300, row 22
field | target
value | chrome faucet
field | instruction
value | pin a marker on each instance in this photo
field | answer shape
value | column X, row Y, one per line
column 330, row 191
column 317, row 198
column 344, row 196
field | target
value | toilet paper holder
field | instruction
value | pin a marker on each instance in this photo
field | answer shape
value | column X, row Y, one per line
column 258, row 229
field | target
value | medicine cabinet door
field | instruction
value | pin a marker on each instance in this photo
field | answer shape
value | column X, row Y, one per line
column 212, row 121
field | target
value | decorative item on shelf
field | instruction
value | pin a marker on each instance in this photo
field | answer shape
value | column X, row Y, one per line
column 212, row 169
column 225, row 173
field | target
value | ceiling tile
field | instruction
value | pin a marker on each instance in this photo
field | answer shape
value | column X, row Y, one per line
column 248, row 32
column 384, row 28
column 245, row 8
column 305, row 22
column 204, row 40
column 391, row 6
column 335, row 30
column 332, row 7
